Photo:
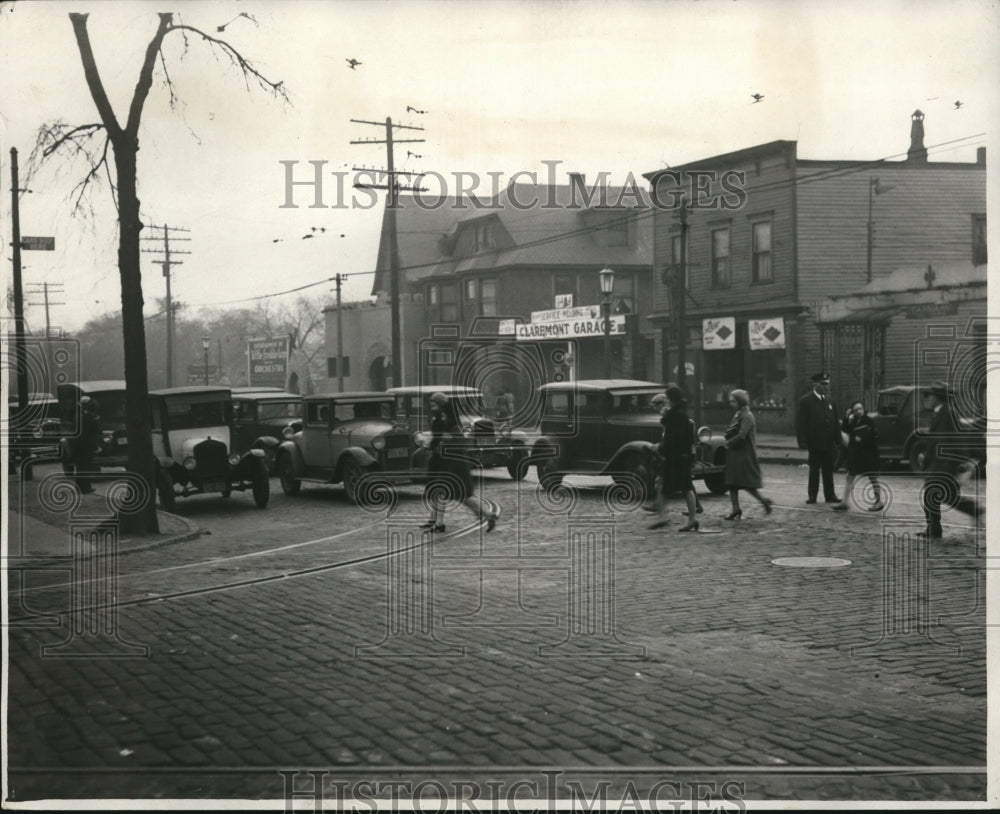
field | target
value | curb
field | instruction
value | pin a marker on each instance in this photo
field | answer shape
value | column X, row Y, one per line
column 191, row 532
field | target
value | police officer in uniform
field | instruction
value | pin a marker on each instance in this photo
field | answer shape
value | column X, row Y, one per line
column 817, row 425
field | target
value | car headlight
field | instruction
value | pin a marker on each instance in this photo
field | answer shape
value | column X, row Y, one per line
column 504, row 431
column 38, row 431
column 190, row 463
column 288, row 432
column 378, row 442
column 422, row 439
column 704, row 435
column 234, row 458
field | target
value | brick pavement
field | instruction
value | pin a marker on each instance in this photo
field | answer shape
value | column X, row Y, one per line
column 744, row 664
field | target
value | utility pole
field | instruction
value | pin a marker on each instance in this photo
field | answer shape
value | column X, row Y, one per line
column 45, row 294
column 391, row 206
column 682, row 302
column 20, row 357
column 166, row 263
column 340, row 342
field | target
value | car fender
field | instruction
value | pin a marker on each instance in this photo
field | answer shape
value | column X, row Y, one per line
column 518, row 437
column 266, row 442
column 290, row 448
column 624, row 452
column 359, row 455
column 248, row 462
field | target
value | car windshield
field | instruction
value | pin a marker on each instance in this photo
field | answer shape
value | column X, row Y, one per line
column 278, row 409
column 185, row 414
column 363, row 409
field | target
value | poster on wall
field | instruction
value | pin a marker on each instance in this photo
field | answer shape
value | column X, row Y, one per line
column 766, row 334
column 718, row 333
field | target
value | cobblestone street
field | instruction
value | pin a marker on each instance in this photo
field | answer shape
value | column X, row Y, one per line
column 571, row 640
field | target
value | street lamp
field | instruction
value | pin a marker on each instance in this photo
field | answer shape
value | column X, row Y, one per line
column 607, row 287
column 206, row 343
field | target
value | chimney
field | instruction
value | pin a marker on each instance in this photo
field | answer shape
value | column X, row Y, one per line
column 981, row 156
column 917, row 154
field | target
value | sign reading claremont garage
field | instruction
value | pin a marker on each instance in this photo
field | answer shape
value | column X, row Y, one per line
column 268, row 361
column 569, row 329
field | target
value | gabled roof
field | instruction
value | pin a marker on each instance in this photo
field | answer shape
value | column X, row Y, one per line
column 537, row 225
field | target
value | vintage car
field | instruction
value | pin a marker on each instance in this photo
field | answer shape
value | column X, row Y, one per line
column 109, row 396
column 343, row 437
column 32, row 435
column 260, row 416
column 902, row 421
column 192, row 444
column 607, row 427
column 495, row 443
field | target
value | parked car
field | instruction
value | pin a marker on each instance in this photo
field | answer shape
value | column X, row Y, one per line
column 109, row 396
column 260, row 417
column 192, row 443
column 343, row 437
column 33, row 435
column 902, row 421
column 607, row 427
column 496, row 443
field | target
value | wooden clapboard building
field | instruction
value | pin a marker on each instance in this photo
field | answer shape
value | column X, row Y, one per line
column 795, row 266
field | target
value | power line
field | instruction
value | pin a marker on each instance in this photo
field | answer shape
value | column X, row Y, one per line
column 166, row 264
column 828, row 174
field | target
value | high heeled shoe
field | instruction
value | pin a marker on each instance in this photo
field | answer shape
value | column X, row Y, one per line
column 736, row 515
column 691, row 526
column 768, row 505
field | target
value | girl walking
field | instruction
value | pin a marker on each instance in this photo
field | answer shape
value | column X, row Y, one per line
column 742, row 466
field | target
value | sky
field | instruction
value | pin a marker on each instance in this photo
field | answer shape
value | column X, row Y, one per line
column 617, row 87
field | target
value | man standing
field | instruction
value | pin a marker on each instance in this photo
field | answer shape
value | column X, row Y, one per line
column 942, row 469
column 818, row 429
column 86, row 444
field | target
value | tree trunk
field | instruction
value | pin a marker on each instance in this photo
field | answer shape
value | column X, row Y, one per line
column 138, row 422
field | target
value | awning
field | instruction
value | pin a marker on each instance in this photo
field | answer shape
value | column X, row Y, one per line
column 867, row 315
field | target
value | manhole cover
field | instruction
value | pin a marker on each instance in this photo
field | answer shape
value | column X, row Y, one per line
column 811, row 562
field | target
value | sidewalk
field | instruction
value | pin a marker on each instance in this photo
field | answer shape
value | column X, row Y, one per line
column 37, row 532
column 780, row 449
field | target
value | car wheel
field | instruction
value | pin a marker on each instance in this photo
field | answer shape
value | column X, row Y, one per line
column 640, row 469
column 350, row 477
column 261, row 485
column 547, row 474
column 290, row 485
column 517, row 466
column 918, row 454
column 716, row 482
column 165, row 490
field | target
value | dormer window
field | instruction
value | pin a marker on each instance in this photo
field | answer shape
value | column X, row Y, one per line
column 483, row 237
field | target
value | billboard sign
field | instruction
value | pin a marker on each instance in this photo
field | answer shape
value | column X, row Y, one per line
column 267, row 361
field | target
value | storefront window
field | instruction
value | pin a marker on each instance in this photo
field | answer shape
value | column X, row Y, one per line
column 762, row 373
column 723, row 372
column 766, row 379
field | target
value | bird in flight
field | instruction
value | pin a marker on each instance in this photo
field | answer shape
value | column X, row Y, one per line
column 352, row 63
column 412, row 155
column 414, row 110
column 757, row 97
column 957, row 105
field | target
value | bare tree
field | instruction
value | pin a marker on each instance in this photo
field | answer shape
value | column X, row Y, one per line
column 123, row 141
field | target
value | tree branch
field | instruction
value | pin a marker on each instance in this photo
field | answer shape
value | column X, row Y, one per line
column 146, row 76
column 92, row 75
column 237, row 59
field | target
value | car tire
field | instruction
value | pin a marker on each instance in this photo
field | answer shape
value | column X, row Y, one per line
column 917, row 454
column 290, row 485
column 635, row 465
column 165, row 490
column 548, row 477
column 716, row 482
column 261, row 483
column 517, row 466
column 350, row 475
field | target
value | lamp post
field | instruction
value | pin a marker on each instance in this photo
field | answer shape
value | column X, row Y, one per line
column 607, row 287
column 206, row 343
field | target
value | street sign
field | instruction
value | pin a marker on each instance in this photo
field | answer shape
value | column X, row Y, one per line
column 570, row 329
column 45, row 244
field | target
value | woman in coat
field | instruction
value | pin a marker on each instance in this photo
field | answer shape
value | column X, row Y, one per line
column 862, row 452
column 452, row 474
column 742, row 467
column 675, row 449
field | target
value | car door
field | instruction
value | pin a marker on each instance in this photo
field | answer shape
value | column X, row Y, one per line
column 314, row 441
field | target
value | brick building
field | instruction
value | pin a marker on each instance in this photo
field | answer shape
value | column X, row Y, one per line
column 771, row 237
